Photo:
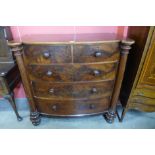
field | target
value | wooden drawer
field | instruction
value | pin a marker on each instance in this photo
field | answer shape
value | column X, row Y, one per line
column 96, row 52
column 94, row 72
column 74, row 72
column 72, row 107
column 143, row 100
column 73, row 90
column 57, row 73
column 47, row 54
column 144, row 92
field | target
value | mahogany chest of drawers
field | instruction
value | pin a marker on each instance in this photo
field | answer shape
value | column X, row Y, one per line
column 67, row 75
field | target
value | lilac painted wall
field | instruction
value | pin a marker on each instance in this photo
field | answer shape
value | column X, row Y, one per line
column 19, row 31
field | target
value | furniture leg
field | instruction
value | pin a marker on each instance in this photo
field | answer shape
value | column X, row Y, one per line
column 35, row 118
column 18, row 51
column 110, row 116
column 125, row 47
column 10, row 98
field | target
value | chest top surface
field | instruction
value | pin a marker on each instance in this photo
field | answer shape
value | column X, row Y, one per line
column 68, row 38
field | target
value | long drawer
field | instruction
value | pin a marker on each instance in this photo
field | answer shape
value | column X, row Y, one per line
column 72, row 107
column 73, row 72
column 87, row 90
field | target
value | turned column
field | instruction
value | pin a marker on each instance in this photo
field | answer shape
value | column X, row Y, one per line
column 125, row 46
column 17, row 49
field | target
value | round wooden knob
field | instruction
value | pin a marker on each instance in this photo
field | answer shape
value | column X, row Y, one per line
column 51, row 91
column 49, row 73
column 91, row 106
column 98, row 54
column 2, row 73
column 46, row 54
column 54, row 107
column 94, row 90
column 96, row 72
column 140, row 93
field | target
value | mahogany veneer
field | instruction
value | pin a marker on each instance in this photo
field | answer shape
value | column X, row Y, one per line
column 68, row 75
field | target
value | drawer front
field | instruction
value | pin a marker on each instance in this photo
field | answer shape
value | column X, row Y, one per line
column 143, row 100
column 96, row 52
column 72, row 107
column 94, row 72
column 75, row 72
column 57, row 73
column 74, row 90
column 142, row 107
column 145, row 93
column 47, row 54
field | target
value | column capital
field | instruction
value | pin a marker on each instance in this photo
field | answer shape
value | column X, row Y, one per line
column 16, row 47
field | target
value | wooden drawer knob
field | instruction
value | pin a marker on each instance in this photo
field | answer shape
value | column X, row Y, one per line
column 51, row 91
column 94, row 90
column 46, row 54
column 49, row 73
column 54, row 107
column 96, row 72
column 140, row 93
column 92, row 106
column 2, row 73
column 98, row 54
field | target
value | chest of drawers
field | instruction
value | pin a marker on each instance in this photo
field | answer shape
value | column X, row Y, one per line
column 64, row 75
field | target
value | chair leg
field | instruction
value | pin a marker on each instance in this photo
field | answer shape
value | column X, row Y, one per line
column 10, row 98
column 120, row 118
column 123, row 114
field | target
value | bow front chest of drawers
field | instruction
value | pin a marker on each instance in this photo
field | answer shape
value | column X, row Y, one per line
column 67, row 75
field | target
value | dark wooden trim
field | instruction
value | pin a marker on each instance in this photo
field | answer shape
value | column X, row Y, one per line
column 17, row 49
column 125, row 47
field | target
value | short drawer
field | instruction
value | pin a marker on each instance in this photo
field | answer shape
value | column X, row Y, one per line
column 73, row 90
column 74, row 72
column 96, row 52
column 47, row 54
column 72, row 107
column 143, row 100
column 144, row 92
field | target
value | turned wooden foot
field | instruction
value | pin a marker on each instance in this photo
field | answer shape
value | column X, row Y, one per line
column 110, row 116
column 10, row 98
column 35, row 118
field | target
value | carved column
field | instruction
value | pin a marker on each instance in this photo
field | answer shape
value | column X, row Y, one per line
column 17, row 49
column 125, row 47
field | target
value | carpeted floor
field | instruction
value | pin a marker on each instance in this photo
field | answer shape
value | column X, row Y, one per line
column 133, row 120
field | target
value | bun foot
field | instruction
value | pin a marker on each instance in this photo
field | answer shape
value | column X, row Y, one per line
column 35, row 118
column 110, row 116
